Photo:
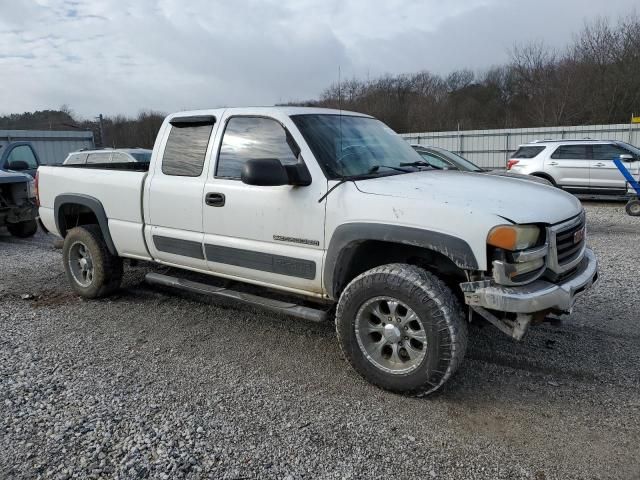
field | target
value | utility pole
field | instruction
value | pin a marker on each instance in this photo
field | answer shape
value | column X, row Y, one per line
column 101, row 130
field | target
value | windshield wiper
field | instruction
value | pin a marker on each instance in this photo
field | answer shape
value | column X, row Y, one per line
column 419, row 163
column 365, row 176
column 375, row 168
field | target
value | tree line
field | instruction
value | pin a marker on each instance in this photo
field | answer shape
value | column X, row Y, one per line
column 594, row 80
column 118, row 131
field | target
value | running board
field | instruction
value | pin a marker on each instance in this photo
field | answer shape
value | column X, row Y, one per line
column 287, row 308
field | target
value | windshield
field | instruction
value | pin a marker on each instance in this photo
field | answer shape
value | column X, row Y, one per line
column 460, row 162
column 628, row 146
column 350, row 146
column 144, row 157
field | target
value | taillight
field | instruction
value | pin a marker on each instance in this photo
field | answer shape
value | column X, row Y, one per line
column 37, row 190
column 511, row 163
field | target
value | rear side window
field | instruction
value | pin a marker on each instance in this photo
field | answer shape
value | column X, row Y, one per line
column 571, row 152
column 104, row 157
column 608, row 152
column 248, row 138
column 185, row 150
column 527, row 152
column 76, row 159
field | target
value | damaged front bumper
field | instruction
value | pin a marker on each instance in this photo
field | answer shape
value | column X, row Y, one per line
column 527, row 300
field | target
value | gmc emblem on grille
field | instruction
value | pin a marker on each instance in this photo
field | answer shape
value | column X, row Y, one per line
column 578, row 236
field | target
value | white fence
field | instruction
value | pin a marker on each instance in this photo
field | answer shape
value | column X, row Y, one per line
column 491, row 148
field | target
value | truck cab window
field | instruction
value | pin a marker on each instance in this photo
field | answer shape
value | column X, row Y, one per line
column 185, row 150
column 23, row 153
column 252, row 138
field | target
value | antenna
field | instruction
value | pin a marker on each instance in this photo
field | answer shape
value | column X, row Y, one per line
column 340, row 104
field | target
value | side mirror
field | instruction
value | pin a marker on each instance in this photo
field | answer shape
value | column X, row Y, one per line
column 264, row 172
column 18, row 165
column 269, row 172
column 627, row 157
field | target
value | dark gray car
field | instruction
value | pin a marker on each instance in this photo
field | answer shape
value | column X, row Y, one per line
column 445, row 160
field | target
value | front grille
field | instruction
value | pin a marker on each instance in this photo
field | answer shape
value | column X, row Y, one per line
column 567, row 248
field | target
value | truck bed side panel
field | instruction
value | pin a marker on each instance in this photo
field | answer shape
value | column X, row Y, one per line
column 120, row 193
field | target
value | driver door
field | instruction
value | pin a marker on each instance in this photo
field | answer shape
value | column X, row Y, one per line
column 271, row 235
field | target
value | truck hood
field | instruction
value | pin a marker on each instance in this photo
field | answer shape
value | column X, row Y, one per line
column 13, row 177
column 520, row 201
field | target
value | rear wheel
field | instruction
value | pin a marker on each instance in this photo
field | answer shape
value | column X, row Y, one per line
column 401, row 328
column 23, row 229
column 633, row 207
column 91, row 269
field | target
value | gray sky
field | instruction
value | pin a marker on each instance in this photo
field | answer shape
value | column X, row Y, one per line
column 122, row 56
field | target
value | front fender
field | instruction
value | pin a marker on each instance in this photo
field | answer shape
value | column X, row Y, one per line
column 347, row 236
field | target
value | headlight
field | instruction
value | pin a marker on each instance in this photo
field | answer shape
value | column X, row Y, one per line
column 514, row 237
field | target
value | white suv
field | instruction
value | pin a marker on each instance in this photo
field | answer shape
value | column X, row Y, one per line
column 579, row 166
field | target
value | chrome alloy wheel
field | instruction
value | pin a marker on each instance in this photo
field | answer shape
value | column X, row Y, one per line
column 390, row 335
column 81, row 264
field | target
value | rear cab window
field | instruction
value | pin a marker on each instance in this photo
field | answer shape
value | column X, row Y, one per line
column 186, row 147
column 528, row 152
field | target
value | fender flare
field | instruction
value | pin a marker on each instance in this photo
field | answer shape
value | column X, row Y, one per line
column 92, row 204
column 348, row 236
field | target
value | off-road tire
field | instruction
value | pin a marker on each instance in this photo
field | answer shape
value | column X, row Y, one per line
column 436, row 306
column 108, row 270
column 633, row 208
column 23, row 229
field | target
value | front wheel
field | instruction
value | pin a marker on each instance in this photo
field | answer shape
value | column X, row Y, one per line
column 91, row 269
column 401, row 328
column 24, row 229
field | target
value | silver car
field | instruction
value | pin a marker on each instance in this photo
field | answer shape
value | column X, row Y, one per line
column 578, row 166
column 106, row 156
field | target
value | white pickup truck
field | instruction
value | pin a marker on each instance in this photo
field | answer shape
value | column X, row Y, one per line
column 337, row 210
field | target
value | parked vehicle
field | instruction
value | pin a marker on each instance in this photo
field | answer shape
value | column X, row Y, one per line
column 18, row 211
column 578, row 166
column 633, row 205
column 337, row 210
column 446, row 160
column 105, row 156
column 19, row 157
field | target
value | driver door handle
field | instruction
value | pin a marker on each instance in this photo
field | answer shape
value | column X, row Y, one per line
column 599, row 165
column 553, row 163
column 214, row 199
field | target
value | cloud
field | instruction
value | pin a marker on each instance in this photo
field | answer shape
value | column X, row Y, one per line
column 117, row 56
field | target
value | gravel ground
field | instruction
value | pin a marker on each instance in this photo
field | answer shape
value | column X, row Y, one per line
column 161, row 385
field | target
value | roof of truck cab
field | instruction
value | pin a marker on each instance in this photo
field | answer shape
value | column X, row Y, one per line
column 286, row 110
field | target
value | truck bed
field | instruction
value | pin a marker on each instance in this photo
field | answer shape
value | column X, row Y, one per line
column 117, row 187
